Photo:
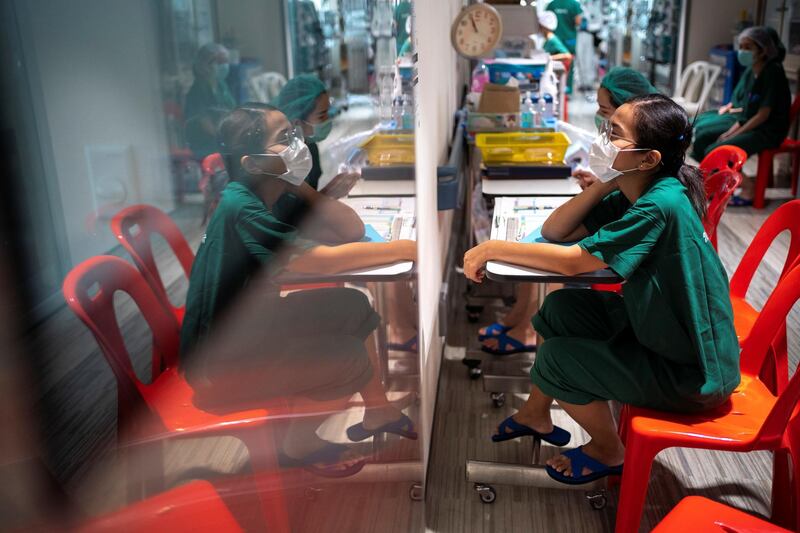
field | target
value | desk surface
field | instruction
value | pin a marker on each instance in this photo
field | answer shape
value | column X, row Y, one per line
column 517, row 219
column 532, row 187
column 392, row 218
column 383, row 188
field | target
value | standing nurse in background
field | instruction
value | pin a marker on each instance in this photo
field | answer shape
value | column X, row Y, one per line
column 568, row 13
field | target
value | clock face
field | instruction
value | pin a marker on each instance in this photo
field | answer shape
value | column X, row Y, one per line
column 476, row 30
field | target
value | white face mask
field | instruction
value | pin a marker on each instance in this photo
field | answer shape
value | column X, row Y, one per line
column 602, row 156
column 296, row 158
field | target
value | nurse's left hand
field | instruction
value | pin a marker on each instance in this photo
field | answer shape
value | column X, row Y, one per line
column 730, row 133
column 340, row 185
column 475, row 262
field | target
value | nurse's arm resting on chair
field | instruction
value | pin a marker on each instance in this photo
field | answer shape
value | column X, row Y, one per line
column 759, row 118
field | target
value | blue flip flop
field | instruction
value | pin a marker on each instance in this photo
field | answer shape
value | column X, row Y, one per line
column 403, row 426
column 504, row 341
column 557, row 437
column 409, row 346
column 738, row 201
column 579, row 460
column 493, row 330
column 330, row 454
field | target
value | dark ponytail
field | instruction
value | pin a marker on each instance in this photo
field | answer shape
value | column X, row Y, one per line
column 661, row 124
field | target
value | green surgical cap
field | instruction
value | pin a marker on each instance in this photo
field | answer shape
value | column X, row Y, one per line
column 298, row 98
column 624, row 83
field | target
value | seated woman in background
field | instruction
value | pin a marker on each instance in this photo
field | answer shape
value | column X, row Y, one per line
column 551, row 43
column 514, row 333
column 209, row 99
column 305, row 102
column 669, row 344
column 757, row 117
column 245, row 344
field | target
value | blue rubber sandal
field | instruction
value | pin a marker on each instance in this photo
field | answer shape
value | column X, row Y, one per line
column 579, row 461
column 738, row 201
column 557, row 437
column 504, row 341
column 402, row 426
column 493, row 330
column 409, row 346
column 330, row 455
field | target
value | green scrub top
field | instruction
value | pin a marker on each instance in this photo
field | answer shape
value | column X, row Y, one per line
column 203, row 108
column 768, row 89
column 566, row 11
column 676, row 293
column 554, row 46
column 242, row 237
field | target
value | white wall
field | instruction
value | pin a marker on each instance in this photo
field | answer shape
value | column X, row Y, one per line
column 436, row 100
column 94, row 75
column 258, row 27
column 711, row 22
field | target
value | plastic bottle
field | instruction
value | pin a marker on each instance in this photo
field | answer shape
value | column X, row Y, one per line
column 549, row 112
column 397, row 113
column 385, row 87
column 540, row 107
column 537, row 116
column 480, row 77
column 407, row 114
column 527, row 113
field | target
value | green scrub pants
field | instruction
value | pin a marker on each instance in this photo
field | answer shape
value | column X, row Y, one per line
column 590, row 352
column 310, row 343
column 711, row 125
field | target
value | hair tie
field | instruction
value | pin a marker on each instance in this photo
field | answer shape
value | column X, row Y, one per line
column 681, row 137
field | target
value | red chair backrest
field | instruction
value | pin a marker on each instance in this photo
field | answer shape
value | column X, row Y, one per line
column 134, row 228
column 786, row 217
column 723, row 157
column 757, row 346
column 89, row 291
column 720, row 186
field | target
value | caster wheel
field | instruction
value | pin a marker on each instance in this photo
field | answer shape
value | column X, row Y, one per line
column 416, row 493
column 475, row 373
column 597, row 500
column 486, row 493
column 499, row 399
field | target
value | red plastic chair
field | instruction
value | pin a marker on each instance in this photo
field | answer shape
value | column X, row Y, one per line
column 723, row 157
column 701, row 515
column 720, row 186
column 163, row 409
column 785, row 218
column 765, row 157
column 192, row 508
column 754, row 418
column 134, row 228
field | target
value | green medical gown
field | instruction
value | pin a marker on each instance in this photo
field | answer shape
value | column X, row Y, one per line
column 668, row 343
column 769, row 89
column 554, row 46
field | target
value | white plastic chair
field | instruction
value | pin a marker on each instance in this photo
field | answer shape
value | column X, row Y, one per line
column 265, row 86
column 696, row 83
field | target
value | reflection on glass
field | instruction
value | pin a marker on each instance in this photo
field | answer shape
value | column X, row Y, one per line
column 240, row 333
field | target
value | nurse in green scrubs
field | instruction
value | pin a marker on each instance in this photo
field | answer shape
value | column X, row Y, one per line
column 552, row 44
column 569, row 13
column 514, row 332
column 305, row 101
column 757, row 117
column 668, row 343
column 245, row 344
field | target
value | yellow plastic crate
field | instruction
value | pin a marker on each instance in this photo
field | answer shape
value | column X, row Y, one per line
column 522, row 147
column 386, row 149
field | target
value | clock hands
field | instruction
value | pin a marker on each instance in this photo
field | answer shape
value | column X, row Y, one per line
column 474, row 26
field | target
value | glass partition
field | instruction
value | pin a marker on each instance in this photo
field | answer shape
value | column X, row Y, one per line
column 213, row 207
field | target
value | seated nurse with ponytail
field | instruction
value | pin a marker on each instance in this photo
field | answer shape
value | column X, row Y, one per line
column 668, row 342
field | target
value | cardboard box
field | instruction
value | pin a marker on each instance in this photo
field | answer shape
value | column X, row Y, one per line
column 499, row 99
